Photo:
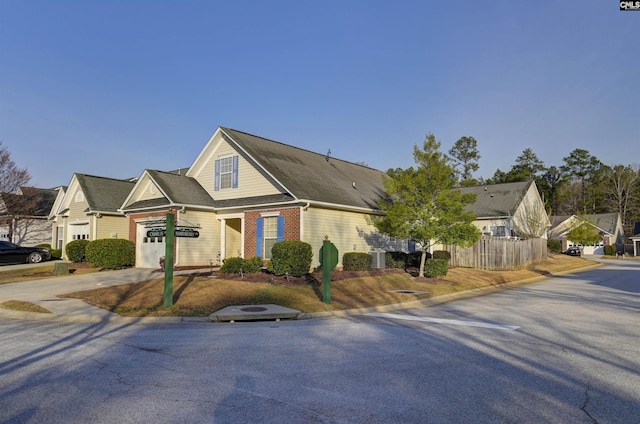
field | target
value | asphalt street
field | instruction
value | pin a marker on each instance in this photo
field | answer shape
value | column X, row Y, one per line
column 562, row 350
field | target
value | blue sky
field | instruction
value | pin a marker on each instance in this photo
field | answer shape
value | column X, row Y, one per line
column 113, row 87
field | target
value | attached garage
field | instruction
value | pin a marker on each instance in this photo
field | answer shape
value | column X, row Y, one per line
column 149, row 250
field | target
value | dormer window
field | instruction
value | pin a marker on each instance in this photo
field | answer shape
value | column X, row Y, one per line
column 226, row 173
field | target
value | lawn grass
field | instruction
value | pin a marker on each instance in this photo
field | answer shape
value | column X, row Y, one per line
column 19, row 305
column 198, row 295
column 41, row 272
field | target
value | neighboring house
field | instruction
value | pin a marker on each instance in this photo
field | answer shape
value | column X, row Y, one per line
column 609, row 225
column 504, row 210
column 244, row 193
column 55, row 221
column 88, row 210
column 23, row 215
column 635, row 239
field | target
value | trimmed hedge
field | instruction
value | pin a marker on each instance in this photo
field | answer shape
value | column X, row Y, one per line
column 403, row 260
column 76, row 250
column 292, row 257
column 435, row 268
column 395, row 259
column 234, row 265
column 55, row 253
column 357, row 261
column 111, row 253
column 554, row 245
column 442, row 254
column 610, row 250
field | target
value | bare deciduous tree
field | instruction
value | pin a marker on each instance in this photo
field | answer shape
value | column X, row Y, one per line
column 622, row 188
column 11, row 177
column 531, row 220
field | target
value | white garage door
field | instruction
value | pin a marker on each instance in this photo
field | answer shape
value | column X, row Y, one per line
column 149, row 250
column 4, row 232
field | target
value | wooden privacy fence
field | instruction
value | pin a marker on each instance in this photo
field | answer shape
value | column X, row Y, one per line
column 499, row 254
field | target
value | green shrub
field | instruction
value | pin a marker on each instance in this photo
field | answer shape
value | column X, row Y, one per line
column 395, row 260
column 292, row 257
column 357, row 261
column 76, row 250
column 55, row 253
column 253, row 264
column 442, row 254
column 554, row 245
column 414, row 258
column 436, row 268
column 111, row 253
column 234, row 265
column 610, row 250
column 403, row 260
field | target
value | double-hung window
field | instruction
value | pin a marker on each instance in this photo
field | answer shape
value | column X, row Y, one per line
column 226, row 173
column 269, row 231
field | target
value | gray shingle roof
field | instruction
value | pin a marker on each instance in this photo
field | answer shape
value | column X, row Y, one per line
column 181, row 190
column 32, row 202
column 604, row 221
column 310, row 176
column 497, row 199
column 104, row 194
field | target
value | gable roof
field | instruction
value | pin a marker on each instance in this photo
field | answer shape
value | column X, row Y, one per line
column 309, row 176
column 178, row 190
column 103, row 194
column 29, row 201
column 606, row 222
column 497, row 200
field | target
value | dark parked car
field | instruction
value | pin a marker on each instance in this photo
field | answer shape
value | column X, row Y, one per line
column 12, row 253
column 573, row 251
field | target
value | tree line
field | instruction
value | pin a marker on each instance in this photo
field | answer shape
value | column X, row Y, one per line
column 581, row 185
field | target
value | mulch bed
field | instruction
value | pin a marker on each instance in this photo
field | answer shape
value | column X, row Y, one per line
column 316, row 277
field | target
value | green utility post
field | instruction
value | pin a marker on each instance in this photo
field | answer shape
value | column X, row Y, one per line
column 328, row 260
column 168, row 260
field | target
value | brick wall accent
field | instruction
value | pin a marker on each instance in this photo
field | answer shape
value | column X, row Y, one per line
column 291, row 227
column 133, row 227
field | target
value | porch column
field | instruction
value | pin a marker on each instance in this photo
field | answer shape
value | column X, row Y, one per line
column 223, row 239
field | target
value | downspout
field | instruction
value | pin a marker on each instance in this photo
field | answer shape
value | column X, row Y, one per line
column 94, row 230
column 302, row 210
column 14, row 226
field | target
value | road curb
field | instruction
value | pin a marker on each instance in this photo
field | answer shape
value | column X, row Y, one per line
column 422, row 303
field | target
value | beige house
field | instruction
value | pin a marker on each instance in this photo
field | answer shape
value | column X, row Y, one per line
column 88, row 210
column 609, row 225
column 243, row 193
column 509, row 210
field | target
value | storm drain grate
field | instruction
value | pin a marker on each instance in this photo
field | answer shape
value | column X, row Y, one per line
column 407, row 291
column 253, row 309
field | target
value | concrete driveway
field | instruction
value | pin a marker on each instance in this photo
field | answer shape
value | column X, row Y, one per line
column 44, row 293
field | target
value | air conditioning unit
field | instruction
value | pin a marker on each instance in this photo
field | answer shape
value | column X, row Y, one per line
column 378, row 259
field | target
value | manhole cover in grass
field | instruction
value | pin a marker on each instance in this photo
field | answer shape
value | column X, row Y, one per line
column 253, row 309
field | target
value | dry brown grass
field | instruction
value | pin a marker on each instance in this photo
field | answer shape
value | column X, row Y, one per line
column 201, row 295
column 19, row 305
column 41, row 272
